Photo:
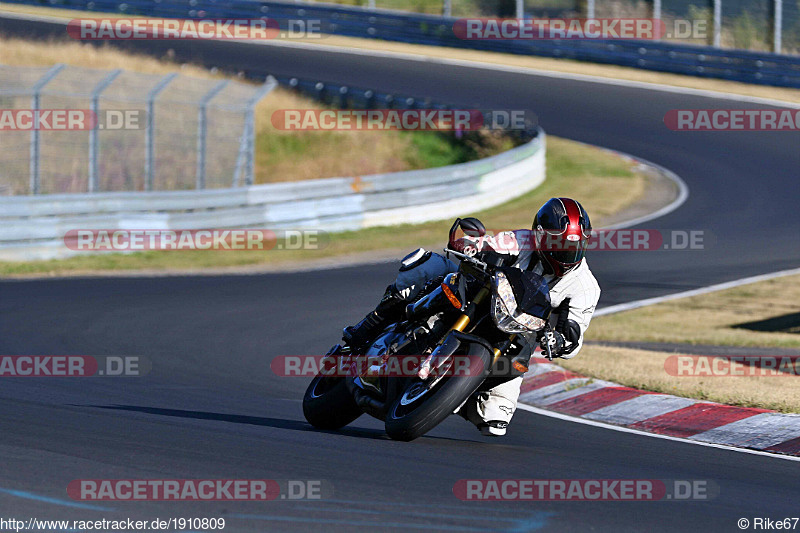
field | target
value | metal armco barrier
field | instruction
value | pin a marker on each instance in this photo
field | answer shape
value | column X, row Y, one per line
column 33, row 227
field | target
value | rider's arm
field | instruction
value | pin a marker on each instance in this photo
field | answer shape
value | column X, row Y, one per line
column 583, row 297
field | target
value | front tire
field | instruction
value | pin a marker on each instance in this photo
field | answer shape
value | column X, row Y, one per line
column 408, row 422
column 327, row 404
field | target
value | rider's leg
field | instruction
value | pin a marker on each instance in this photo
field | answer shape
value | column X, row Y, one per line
column 415, row 270
column 388, row 309
column 491, row 410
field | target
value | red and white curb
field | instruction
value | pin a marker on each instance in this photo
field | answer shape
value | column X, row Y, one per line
column 551, row 387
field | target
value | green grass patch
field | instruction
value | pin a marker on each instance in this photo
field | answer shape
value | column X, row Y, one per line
column 722, row 318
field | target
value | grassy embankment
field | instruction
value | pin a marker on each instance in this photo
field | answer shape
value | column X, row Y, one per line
column 764, row 314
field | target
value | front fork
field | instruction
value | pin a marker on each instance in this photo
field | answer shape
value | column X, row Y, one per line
column 461, row 324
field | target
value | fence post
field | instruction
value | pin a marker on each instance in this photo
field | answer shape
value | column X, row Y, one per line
column 657, row 9
column 447, row 8
column 717, row 23
column 241, row 157
column 777, row 27
column 371, row 4
column 590, row 9
column 201, row 133
column 245, row 162
column 149, row 132
column 93, row 133
column 35, row 104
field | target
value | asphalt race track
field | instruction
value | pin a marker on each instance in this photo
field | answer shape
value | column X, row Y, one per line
column 212, row 408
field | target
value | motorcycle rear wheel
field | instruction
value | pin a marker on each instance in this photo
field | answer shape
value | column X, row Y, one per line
column 327, row 404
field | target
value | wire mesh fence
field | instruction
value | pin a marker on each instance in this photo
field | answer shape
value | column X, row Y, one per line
column 71, row 130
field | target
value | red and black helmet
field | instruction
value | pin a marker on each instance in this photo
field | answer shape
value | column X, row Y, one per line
column 562, row 230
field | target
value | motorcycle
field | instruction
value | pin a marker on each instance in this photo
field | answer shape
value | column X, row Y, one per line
column 474, row 317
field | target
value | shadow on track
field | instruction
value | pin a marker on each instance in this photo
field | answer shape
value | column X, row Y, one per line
column 279, row 423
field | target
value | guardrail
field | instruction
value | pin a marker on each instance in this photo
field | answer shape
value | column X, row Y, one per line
column 33, row 227
column 704, row 61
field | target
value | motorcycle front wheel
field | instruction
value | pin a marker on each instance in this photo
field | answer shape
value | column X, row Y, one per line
column 419, row 409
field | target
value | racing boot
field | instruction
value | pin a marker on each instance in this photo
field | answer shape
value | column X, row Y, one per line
column 389, row 309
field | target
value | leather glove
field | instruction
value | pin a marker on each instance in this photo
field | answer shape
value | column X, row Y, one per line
column 556, row 341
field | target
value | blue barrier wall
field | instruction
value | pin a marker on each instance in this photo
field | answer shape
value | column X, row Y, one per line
column 703, row 61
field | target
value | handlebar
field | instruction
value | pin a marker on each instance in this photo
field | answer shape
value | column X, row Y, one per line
column 469, row 259
column 483, row 266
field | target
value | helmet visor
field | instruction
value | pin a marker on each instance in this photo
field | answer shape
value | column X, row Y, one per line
column 567, row 257
column 560, row 227
column 565, row 251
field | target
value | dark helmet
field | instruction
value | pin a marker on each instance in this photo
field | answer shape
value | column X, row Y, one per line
column 562, row 230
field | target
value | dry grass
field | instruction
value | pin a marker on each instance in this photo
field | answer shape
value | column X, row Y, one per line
column 706, row 319
column 18, row 52
column 709, row 319
column 645, row 370
column 300, row 155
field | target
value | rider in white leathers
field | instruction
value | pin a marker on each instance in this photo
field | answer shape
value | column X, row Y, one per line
column 565, row 226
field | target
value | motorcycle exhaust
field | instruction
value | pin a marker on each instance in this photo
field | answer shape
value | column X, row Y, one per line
column 367, row 403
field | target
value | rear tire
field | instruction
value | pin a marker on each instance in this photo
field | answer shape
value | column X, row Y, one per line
column 327, row 404
column 437, row 404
